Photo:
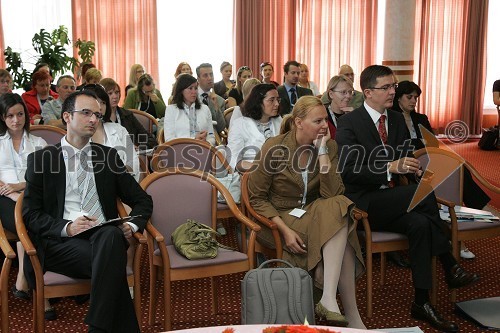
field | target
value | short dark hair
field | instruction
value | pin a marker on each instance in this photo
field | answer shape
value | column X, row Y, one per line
column 101, row 93
column 289, row 63
column 252, row 106
column 183, row 81
column 69, row 103
column 65, row 77
column 369, row 75
column 40, row 65
column 203, row 65
column 7, row 101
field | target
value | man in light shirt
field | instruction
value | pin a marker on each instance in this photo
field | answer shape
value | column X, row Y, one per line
column 51, row 110
column 70, row 188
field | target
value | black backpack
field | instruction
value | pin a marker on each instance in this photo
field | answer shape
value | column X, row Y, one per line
column 489, row 140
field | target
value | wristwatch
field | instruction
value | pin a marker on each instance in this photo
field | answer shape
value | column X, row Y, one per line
column 323, row 150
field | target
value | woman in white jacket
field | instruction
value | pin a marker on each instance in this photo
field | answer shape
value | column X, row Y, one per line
column 113, row 134
column 260, row 121
column 187, row 117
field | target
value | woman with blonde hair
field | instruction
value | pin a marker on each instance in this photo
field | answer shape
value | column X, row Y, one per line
column 224, row 86
column 304, row 80
column 303, row 194
column 136, row 71
column 339, row 92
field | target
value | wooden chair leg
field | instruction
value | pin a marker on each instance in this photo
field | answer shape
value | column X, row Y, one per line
column 369, row 284
column 383, row 264
column 167, row 303
column 152, row 293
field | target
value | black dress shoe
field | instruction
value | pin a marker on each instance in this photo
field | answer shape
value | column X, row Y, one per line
column 81, row 299
column 458, row 277
column 398, row 259
column 50, row 314
column 427, row 313
column 21, row 294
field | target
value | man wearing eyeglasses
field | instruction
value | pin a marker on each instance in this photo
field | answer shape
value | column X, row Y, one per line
column 51, row 110
column 290, row 92
column 71, row 187
column 374, row 145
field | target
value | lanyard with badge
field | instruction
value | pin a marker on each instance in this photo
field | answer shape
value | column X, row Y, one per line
column 298, row 212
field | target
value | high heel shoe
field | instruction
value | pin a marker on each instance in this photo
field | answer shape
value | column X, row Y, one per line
column 333, row 318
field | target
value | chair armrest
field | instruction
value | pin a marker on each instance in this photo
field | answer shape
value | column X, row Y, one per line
column 445, row 202
column 359, row 214
column 154, row 232
column 4, row 244
column 140, row 237
column 480, row 178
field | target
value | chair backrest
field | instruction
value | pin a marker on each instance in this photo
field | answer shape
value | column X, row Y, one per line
column 147, row 121
column 184, row 152
column 180, row 194
column 448, row 175
column 228, row 113
column 51, row 134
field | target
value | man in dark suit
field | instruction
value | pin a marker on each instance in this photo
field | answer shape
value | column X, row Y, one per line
column 70, row 188
column 290, row 92
column 375, row 147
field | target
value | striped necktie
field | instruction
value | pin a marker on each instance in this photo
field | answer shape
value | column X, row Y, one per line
column 90, row 199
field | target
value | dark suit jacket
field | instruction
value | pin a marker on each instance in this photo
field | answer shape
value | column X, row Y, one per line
column 44, row 196
column 285, row 105
column 363, row 162
column 419, row 119
column 137, row 132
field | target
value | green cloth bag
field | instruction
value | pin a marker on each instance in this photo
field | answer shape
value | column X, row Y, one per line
column 195, row 241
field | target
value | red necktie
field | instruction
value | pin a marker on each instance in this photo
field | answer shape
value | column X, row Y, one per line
column 381, row 129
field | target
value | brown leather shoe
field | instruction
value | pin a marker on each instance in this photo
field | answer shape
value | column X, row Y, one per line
column 458, row 277
column 427, row 313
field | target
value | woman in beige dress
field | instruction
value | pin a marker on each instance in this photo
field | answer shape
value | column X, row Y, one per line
column 314, row 220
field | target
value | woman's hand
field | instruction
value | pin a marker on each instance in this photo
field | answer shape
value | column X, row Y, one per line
column 322, row 139
column 7, row 189
column 154, row 97
column 202, row 135
column 293, row 241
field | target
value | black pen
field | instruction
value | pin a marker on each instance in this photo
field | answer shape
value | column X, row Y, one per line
column 87, row 218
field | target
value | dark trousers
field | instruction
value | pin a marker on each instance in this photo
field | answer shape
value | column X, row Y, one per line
column 425, row 230
column 102, row 258
column 7, row 207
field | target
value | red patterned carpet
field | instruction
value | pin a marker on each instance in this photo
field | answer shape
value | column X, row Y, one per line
column 487, row 164
column 191, row 299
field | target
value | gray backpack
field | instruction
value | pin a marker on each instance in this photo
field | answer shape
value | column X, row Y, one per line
column 280, row 295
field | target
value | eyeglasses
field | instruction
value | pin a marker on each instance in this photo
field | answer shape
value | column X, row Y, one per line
column 5, row 81
column 89, row 113
column 386, row 87
column 345, row 92
column 273, row 99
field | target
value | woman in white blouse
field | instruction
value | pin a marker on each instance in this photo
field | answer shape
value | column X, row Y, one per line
column 15, row 145
column 186, row 117
column 113, row 134
column 260, row 121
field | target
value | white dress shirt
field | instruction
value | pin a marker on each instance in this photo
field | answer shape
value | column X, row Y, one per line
column 244, row 133
column 176, row 123
column 12, row 163
column 375, row 115
column 72, row 200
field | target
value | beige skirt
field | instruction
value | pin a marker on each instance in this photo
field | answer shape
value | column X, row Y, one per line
column 322, row 220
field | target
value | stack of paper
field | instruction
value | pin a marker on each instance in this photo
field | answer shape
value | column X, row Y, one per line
column 465, row 214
